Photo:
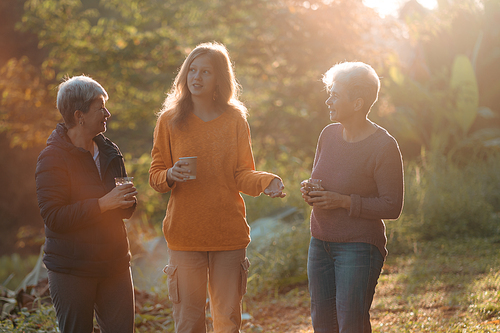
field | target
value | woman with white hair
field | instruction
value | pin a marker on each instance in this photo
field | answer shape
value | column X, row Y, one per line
column 361, row 172
column 86, row 246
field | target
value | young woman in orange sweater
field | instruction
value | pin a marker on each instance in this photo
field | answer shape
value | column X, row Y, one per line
column 205, row 225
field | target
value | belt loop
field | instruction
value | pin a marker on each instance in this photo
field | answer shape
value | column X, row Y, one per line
column 326, row 246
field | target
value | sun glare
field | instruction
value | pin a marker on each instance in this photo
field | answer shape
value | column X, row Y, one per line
column 391, row 7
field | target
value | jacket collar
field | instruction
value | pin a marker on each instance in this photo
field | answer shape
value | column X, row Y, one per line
column 107, row 151
column 59, row 138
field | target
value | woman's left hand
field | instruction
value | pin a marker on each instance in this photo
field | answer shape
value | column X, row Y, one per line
column 275, row 188
column 329, row 200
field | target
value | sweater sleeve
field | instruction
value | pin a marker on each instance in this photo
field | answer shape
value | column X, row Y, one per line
column 161, row 155
column 248, row 180
column 53, row 192
column 388, row 175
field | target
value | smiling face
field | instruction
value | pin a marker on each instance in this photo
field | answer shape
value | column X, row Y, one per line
column 97, row 116
column 201, row 79
column 340, row 106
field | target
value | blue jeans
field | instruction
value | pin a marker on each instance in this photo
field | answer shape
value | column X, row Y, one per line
column 342, row 280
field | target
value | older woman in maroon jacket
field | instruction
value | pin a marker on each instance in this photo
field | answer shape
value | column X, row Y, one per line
column 361, row 170
column 86, row 248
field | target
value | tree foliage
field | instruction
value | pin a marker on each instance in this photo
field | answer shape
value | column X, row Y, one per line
column 445, row 97
column 133, row 48
column 280, row 49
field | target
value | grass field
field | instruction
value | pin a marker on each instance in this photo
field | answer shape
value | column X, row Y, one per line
column 446, row 286
column 441, row 286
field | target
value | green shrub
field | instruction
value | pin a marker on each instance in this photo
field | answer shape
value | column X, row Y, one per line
column 455, row 204
column 283, row 262
column 14, row 268
column 445, row 198
column 40, row 319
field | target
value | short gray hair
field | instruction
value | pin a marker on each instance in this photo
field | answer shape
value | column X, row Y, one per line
column 359, row 79
column 77, row 93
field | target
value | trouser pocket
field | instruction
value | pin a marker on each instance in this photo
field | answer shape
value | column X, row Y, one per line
column 245, row 264
column 173, row 288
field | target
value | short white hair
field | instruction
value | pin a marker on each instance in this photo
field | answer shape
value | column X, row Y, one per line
column 359, row 79
column 77, row 93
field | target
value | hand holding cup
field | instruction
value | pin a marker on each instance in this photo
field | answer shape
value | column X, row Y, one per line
column 123, row 195
column 308, row 186
column 191, row 165
column 312, row 185
column 184, row 169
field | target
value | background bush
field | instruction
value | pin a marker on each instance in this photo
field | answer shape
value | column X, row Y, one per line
column 450, row 199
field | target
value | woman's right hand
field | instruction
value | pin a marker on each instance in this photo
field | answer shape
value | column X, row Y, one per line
column 122, row 196
column 178, row 173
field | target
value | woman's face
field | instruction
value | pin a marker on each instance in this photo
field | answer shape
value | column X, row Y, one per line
column 341, row 108
column 201, row 77
column 95, row 120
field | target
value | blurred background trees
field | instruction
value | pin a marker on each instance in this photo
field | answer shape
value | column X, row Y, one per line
column 440, row 93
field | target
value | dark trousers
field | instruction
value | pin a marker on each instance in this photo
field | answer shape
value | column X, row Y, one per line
column 75, row 299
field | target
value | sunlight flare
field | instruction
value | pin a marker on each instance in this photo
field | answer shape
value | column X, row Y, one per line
column 390, row 7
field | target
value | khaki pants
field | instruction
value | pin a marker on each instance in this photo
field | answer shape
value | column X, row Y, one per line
column 189, row 272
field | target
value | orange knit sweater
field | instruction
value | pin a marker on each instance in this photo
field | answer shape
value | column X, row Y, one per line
column 207, row 213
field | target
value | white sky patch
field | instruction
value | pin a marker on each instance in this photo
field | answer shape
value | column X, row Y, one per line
column 391, row 7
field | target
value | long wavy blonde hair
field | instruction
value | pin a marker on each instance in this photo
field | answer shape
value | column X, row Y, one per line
column 179, row 102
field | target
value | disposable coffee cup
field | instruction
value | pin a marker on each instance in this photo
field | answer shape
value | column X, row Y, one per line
column 123, row 180
column 192, row 165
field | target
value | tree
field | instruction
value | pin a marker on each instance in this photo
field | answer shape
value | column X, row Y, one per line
column 444, row 98
column 133, row 48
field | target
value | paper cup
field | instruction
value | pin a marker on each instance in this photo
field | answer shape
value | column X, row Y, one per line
column 192, row 165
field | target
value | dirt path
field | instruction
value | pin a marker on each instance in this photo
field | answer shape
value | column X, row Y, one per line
column 285, row 312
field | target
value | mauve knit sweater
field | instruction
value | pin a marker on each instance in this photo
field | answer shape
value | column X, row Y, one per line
column 371, row 172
